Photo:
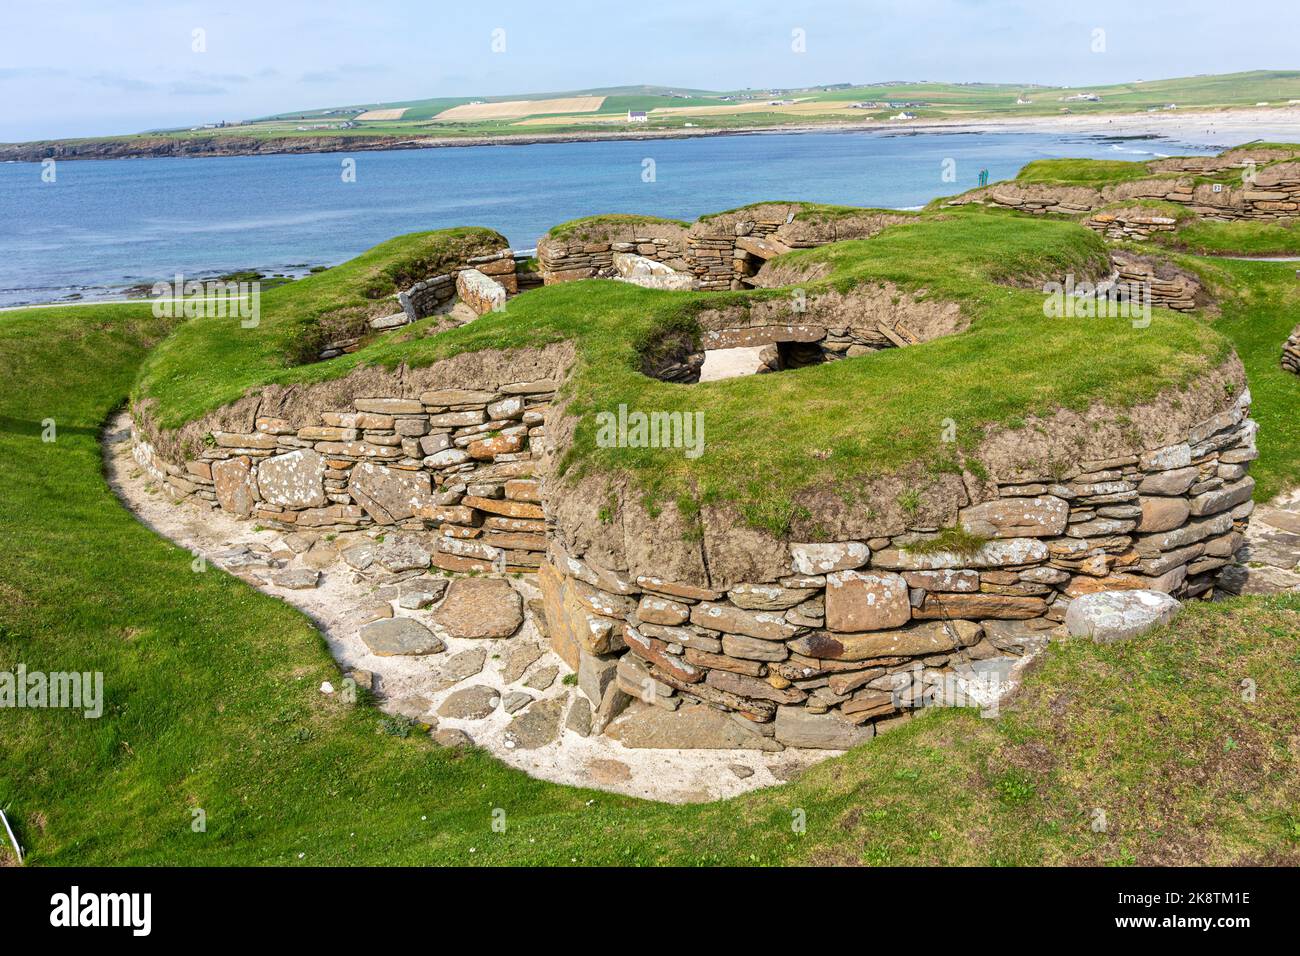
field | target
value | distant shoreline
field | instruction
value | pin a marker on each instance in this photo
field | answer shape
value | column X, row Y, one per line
column 1232, row 126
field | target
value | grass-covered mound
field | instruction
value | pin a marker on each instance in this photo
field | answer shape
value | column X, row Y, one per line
column 771, row 438
column 1098, row 173
column 1082, row 172
column 1236, row 238
column 601, row 226
column 211, row 361
column 212, row 704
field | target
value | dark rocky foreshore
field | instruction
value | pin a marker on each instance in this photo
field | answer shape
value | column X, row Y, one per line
column 156, row 147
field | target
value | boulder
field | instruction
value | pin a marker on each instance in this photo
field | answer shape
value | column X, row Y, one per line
column 767, row 597
column 579, row 719
column 480, row 292
column 767, row 625
column 928, row 637
column 1163, row 514
column 1118, row 615
column 397, row 555
column 824, row 558
column 866, row 601
column 595, row 674
column 1003, row 552
column 1041, row 517
column 233, row 483
column 690, row 727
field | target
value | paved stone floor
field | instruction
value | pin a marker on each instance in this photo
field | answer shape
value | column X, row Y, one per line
column 1269, row 560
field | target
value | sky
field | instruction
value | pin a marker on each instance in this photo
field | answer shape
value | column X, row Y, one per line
column 97, row 67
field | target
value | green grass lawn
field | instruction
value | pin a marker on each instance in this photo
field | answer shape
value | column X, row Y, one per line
column 1082, row 172
column 211, row 703
column 1260, row 303
column 1235, row 238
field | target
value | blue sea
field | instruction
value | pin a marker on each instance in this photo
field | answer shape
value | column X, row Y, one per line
column 103, row 226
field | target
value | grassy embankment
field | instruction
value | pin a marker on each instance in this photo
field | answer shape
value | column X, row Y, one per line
column 212, row 704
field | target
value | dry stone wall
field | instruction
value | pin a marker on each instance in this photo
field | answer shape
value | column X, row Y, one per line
column 432, row 295
column 460, row 463
column 1272, row 193
column 847, row 637
column 818, row 643
column 1169, row 287
column 815, row 643
column 435, row 294
column 1291, row 352
column 721, row 252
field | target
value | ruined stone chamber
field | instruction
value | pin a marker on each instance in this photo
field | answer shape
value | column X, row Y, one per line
column 818, row 640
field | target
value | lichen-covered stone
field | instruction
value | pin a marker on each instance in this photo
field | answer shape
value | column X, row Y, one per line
column 866, row 601
column 1111, row 616
column 388, row 495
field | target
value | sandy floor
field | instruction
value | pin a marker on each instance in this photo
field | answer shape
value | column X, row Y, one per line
column 730, row 363
column 409, row 685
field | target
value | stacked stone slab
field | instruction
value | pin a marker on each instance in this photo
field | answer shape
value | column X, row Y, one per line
column 456, row 462
column 721, row 252
column 1291, row 352
column 1272, row 193
column 1170, row 287
column 862, row 632
column 480, row 292
column 567, row 260
column 1137, row 225
column 430, row 296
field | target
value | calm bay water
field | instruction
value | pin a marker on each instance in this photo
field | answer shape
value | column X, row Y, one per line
column 106, row 225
